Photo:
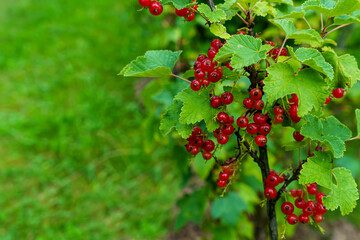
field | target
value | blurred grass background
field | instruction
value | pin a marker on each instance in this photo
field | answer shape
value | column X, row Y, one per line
column 78, row 159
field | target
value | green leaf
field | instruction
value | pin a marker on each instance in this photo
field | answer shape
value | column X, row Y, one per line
column 170, row 120
column 313, row 59
column 286, row 25
column 229, row 7
column 309, row 86
column 214, row 16
column 289, row 2
column 179, row 4
column 288, row 11
column 344, row 193
column 263, row 9
column 219, row 30
column 309, row 36
column 202, row 167
column 152, row 64
column 243, row 50
column 329, row 131
column 202, row 110
column 347, row 19
column 332, row 8
column 192, row 208
column 228, row 208
column 357, row 113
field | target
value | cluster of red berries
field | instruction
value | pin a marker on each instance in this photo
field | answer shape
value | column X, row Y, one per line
column 155, row 7
column 205, row 67
column 275, row 51
column 226, row 98
column 187, row 13
column 316, row 209
column 337, row 93
column 279, row 114
column 254, row 101
column 259, row 126
column 271, row 182
column 197, row 143
column 225, row 129
column 227, row 171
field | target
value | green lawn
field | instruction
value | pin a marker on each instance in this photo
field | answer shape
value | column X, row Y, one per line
column 72, row 161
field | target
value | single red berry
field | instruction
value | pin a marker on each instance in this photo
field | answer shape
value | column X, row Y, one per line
column 201, row 57
column 255, row 94
column 211, row 53
column 227, row 98
column 214, row 76
column 217, row 132
column 224, row 176
column 261, row 140
column 300, row 193
column 297, row 136
column 259, row 104
column 241, row 32
column 190, row 17
column 311, row 204
column 222, row 117
column 282, row 178
column 319, row 196
column 260, row 118
column 197, row 131
column 287, row 208
column 272, row 172
column 242, row 122
column 221, row 183
column 293, row 110
column 270, row 43
column 279, row 118
column 197, row 65
column 195, row 85
column 338, row 93
column 312, row 189
column 215, row 101
column 216, row 43
column 228, row 65
column 228, row 129
column 278, row 110
column 275, row 52
column 205, row 83
column 228, row 168
column 300, row 203
column 273, row 179
column 194, row 150
column 207, row 155
column 207, row 65
column 292, row 219
column 283, row 52
column 303, row 218
column 199, row 74
column 182, row 12
column 144, row 3
column 222, row 138
column 155, row 8
column 320, row 208
column 189, row 147
column 270, row 193
column 294, row 193
column 248, row 103
column 318, row 218
column 208, row 145
column 265, row 129
column 252, row 128
column 294, row 99
column 308, row 210
column 230, row 120
column 198, row 141
column 328, row 99
column 295, row 119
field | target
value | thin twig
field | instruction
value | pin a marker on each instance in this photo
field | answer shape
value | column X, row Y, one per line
column 244, row 11
column 174, row 75
column 322, row 23
column 282, row 46
column 354, row 138
column 242, row 19
column 341, row 26
column 211, row 5
column 307, row 22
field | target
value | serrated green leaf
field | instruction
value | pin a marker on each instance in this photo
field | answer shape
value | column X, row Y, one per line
column 228, row 208
column 153, row 64
column 263, row 9
column 332, row 8
column 289, row 2
column 229, row 7
column 357, row 113
column 346, row 19
column 291, row 146
column 330, row 41
column 202, row 167
column 219, row 30
column 193, row 113
column 214, row 16
column 309, row 86
column 243, row 50
column 313, row 59
column 343, row 188
column 309, row 36
column 329, row 131
column 286, row 25
column 288, row 11
column 179, row 4
column 170, row 120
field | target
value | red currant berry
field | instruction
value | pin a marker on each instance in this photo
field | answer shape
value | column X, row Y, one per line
column 292, row 219
column 295, row 119
column 197, row 65
column 303, row 218
column 182, row 12
column 328, row 99
column 214, row 76
column 273, row 179
column 199, row 74
column 201, row 57
column 227, row 98
column 307, row 210
column 207, row 65
column 338, row 93
column 287, row 208
column 312, row 189
column 320, row 208
column 275, row 52
column 319, row 196
column 197, row 130
column 155, row 8
column 318, row 218
column 300, row 203
column 228, row 129
column 208, row 145
column 195, row 85
column 265, row 129
column 300, row 193
column 221, row 183
column 252, row 128
column 198, row 141
column 228, row 168
column 293, row 110
column 270, row 193
column 222, row 117
column 261, row 140
column 279, row 118
column 259, row 104
column 255, row 94
column 215, row 101
column 248, row 103
column 242, row 122
column 260, row 118
column 278, row 110
column 189, row 147
column 194, row 150
column 222, row 138
column 241, row 33
column 230, row 120
column 190, row 17
column 282, row 178
column 216, row 43
column 228, row 65
column 211, row 53
column 283, row 52
column 205, row 83
column 224, row 176
column 144, row 3
column 270, row 43
column 207, row 155
column 294, row 99
column 294, row 193
column 217, row 132
column 297, row 136
column 272, row 172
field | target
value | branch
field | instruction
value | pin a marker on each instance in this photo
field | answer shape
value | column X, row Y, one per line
column 341, row 26
column 282, row 46
column 307, row 22
column 211, row 4
column 247, row 145
column 184, row 79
